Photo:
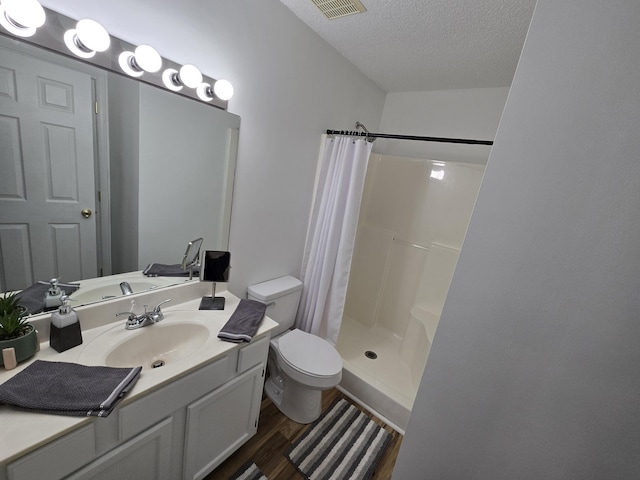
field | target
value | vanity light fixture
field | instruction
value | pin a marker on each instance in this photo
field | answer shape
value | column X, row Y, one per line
column 21, row 17
column 221, row 89
column 143, row 59
column 87, row 38
column 188, row 76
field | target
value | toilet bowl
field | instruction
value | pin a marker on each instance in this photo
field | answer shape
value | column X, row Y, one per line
column 300, row 365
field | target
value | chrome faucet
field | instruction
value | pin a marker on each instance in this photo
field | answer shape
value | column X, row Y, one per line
column 147, row 318
column 126, row 288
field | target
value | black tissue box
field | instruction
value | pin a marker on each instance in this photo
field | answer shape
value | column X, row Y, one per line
column 61, row 339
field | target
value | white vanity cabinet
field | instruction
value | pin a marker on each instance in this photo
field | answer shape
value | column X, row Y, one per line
column 145, row 457
column 183, row 429
column 211, row 436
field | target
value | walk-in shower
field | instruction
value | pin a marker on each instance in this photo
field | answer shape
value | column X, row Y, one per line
column 412, row 223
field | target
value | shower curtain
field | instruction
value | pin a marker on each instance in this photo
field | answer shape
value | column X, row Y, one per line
column 332, row 231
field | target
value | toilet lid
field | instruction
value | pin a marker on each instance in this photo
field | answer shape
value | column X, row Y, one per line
column 309, row 354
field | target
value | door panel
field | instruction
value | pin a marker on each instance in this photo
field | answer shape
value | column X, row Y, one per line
column 47, row 165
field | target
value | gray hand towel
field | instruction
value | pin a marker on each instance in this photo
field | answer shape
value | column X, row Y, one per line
column 32, row 298
column 64, row 388
column 244, row 322
column 163, row 270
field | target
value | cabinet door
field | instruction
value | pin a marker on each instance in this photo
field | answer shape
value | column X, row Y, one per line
column 53, row 461
column 147, row 456
column 220, row 422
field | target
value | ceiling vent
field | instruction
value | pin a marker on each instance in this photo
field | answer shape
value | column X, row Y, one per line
column 339, row 8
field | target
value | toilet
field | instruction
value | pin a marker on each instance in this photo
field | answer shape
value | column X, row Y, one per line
column 300, row 364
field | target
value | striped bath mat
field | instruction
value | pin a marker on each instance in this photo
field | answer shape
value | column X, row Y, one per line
column 344, row 443
column 249, row 471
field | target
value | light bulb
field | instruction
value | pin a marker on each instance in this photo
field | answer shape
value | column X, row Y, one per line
column 204, row 92
column 147, row 58
column 127, row 66
column 87, row 38
column 223, row 89
column 190, row 76
column 169, row 77
column 93, row 35
column 21, row 17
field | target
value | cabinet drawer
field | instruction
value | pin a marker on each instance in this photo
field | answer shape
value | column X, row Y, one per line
column 54, row 461
column 152, row 408
column 253, row 354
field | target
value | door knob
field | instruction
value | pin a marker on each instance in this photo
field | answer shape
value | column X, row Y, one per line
column 86, row 213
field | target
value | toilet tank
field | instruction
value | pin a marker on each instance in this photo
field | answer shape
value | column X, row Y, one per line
column 282, row 296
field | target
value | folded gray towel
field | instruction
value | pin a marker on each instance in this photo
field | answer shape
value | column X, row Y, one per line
column 244, row 322
column 64, row 388
column 163, row 270
column 32, row 298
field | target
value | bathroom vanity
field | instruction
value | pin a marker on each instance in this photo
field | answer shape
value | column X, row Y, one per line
column 179, row 421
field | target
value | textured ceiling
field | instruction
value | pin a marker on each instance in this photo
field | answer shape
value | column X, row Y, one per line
column 418, row 45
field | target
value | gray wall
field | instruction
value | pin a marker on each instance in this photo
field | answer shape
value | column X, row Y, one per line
column 183, row 172
column 124, row 142
column 534, row 371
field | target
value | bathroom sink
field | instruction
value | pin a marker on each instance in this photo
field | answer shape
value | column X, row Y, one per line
column 96, row 294
column 156, row 345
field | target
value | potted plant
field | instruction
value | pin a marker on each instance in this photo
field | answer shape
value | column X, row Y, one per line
column 15, row 331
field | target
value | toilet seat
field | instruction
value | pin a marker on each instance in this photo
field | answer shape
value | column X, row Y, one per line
column 320, row 365
column 309, row 354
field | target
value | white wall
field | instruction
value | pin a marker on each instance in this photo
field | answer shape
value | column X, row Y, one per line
column 534, row 368
column 472, row 113
column 290, row 86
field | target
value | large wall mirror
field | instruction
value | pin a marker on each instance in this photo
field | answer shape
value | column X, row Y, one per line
column 102, row 174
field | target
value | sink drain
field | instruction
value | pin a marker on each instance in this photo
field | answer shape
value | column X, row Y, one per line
column 157, row 364
column 371, row 355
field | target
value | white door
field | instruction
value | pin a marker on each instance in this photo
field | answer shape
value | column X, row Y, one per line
column 46, row 173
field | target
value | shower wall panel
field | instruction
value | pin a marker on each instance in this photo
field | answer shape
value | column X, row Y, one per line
column 405, row 266
column 412, row 224
column 367, row 273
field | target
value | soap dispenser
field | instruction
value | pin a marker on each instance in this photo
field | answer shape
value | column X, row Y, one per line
column 65, row 330
column 53, row 298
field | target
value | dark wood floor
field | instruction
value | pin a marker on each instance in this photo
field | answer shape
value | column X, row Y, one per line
column 276, row 432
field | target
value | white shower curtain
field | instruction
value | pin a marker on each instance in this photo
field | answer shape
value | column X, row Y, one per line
column 331, row 236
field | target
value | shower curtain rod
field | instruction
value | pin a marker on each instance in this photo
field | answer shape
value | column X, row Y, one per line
column 373, row 136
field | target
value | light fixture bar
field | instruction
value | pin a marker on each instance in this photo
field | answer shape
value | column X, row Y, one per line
column 51, row 37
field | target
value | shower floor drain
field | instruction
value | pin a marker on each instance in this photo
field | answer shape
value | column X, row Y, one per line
column 371, row 355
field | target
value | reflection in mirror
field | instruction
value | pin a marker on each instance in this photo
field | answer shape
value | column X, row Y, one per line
column 101, row 174
column 191, row 257
column 98, row 289
column 215, row 268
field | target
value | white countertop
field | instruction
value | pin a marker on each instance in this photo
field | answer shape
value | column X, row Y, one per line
column 23, row 431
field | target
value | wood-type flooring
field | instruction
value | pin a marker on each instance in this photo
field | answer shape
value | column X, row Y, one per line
column 276, row 433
